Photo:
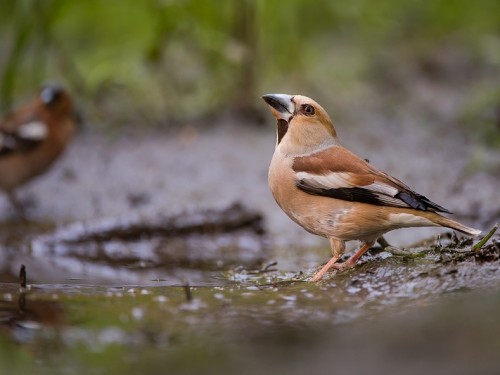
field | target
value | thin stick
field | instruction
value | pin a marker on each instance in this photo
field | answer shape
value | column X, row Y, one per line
column 22, row 276
column 187, row 291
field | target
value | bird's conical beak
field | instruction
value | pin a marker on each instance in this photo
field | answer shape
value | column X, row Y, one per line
column 282, row 105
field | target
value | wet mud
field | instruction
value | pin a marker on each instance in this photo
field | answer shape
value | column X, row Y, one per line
column 250, row 320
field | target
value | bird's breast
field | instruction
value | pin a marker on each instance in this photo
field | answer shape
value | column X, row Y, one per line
column 315, row 214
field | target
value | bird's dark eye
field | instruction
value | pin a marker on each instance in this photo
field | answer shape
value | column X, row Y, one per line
column 50, row 95
column 308, row 109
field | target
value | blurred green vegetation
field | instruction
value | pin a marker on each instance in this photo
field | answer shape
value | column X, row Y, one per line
column 166, row 61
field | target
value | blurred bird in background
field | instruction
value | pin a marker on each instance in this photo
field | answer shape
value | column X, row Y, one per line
column 33, row 137
column 333, row 193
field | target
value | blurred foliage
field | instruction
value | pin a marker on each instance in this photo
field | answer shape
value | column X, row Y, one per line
column 154, row 61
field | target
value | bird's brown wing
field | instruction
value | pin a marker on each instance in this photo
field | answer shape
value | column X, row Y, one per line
column 20, row 132
column 338, row 173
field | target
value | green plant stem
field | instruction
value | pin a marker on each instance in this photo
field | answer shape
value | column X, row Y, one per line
column 485, row 239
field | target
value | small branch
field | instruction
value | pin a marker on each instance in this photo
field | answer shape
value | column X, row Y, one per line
column 265, row 269
column 187, row 291
column 22, row 276
column 22, row 290
column 485, row 239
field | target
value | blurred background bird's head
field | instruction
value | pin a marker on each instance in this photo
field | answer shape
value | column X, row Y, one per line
column 55, row 98
column 58, row 101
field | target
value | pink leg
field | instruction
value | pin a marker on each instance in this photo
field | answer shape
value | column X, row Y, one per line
column 351, row 262
column 338, row 248
column 326, row 267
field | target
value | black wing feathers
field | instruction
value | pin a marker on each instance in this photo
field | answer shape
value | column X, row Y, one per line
column 358, row 194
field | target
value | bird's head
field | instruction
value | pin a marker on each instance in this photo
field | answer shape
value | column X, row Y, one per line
column 303, row 125
column 55, row 99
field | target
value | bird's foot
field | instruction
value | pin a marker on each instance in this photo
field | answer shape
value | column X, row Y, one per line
column 331, row 263
column 344, row 265
column 335, row 266
column 349, row 263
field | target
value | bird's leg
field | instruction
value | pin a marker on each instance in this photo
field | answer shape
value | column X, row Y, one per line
column 383, row 242
column 351, row 262
column 18, row 207
column 338, row 248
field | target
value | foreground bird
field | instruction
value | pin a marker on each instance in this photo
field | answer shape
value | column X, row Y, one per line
column 33, row 137
column 333, row 193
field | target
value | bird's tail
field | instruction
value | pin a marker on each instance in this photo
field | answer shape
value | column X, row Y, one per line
column 445, row 222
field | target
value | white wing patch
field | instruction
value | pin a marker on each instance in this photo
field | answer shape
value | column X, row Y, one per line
column 383, row 193
column 409, row 220
column 382, row 188
column 33, row 131
column 335, row 180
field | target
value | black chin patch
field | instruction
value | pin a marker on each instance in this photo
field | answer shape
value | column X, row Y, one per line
column 281, row 129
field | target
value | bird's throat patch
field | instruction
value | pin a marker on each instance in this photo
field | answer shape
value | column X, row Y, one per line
column 281, row 129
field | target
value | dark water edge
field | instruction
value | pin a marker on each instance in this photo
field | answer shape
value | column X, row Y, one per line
column 242, row 330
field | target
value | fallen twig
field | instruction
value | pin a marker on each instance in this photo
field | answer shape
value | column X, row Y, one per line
column 264, row 269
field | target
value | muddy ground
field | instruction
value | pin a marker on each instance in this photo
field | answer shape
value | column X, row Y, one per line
column 432, row 308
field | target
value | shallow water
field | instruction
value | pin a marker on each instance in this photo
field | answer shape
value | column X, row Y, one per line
column 88, row 316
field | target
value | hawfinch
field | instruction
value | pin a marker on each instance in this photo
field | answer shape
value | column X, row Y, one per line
column 33, row 137
column 333, row 193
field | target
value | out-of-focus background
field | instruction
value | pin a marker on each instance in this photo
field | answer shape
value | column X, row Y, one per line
column 160, row 63
column 169, row 93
